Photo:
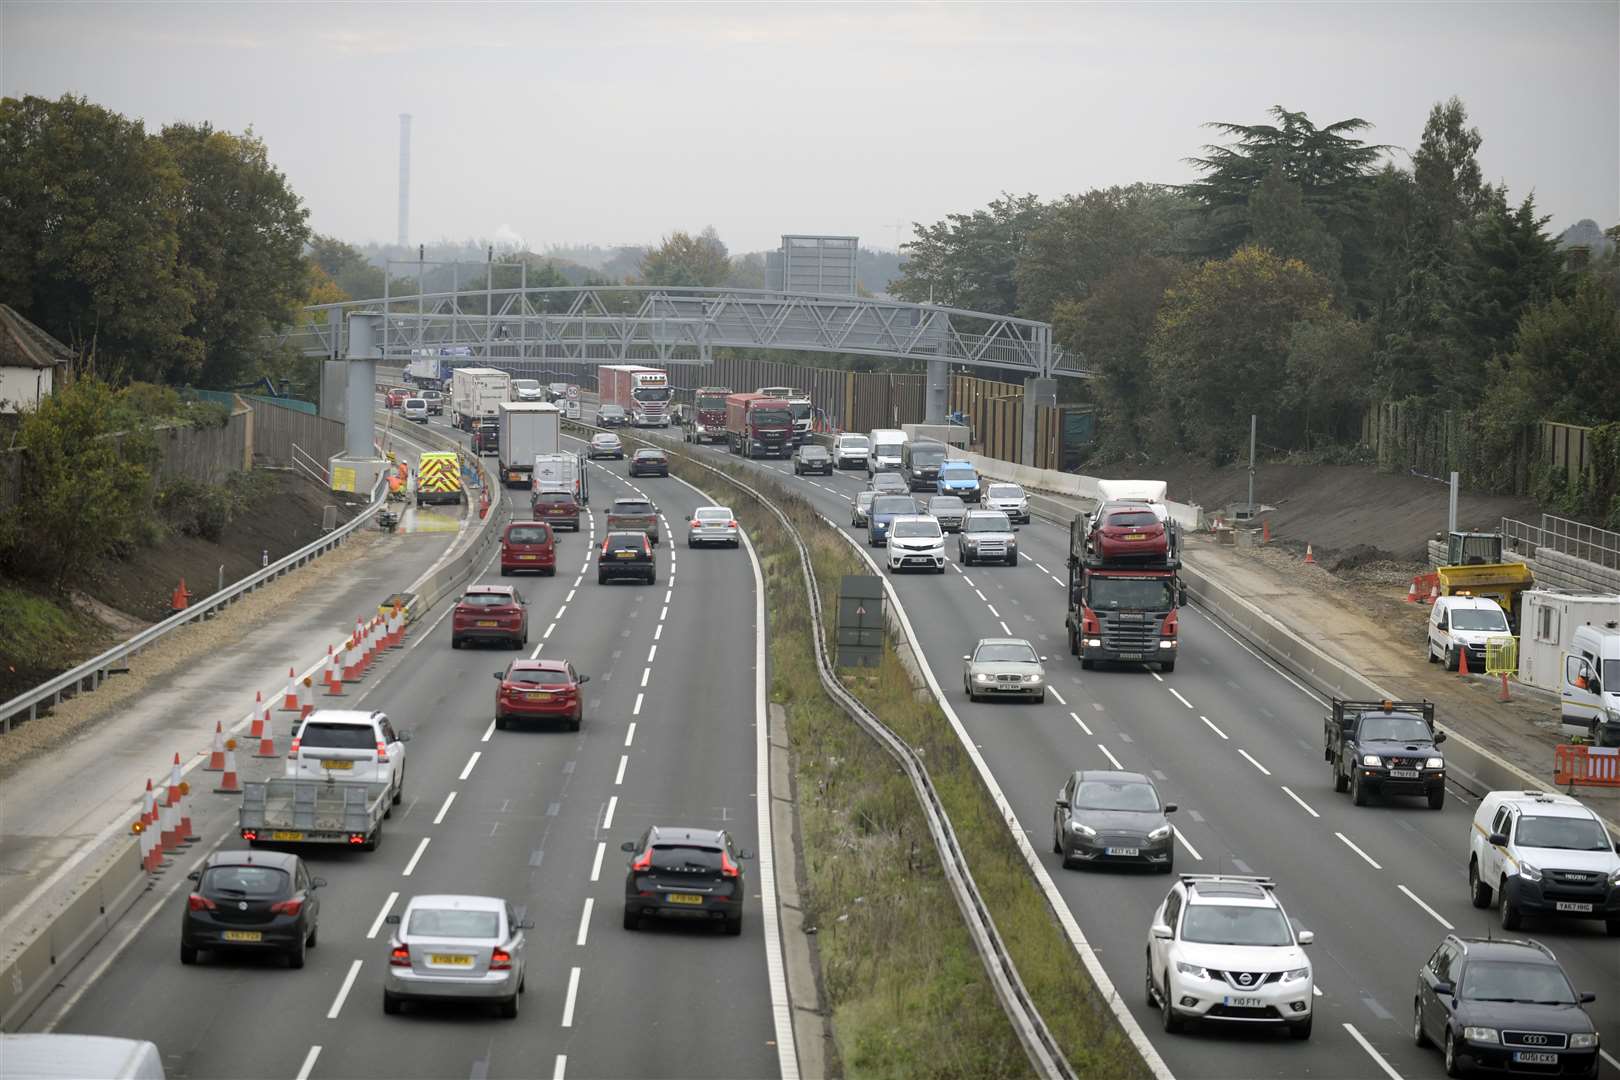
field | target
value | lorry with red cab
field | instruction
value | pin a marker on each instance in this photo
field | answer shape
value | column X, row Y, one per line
column 758, row 426
column 642, row 392
column 707, row 420
column 1125, row 590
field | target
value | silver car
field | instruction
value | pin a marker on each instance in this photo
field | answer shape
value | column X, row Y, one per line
column 1004, row 667
column 890, row 483
column 986, row 536
column 948, row 510
column 606, row 444
column 456, row 948
column 1010, row 500
column 415, row 409
column 713, row 525
column 861, row 508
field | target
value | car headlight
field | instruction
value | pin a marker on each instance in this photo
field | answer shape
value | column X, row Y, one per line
column 1583, row 1040
column 980, row 677
column 1371, row 759
column 1195, row 970
column 1614, row 880
column 1032, row 678
column 1160, row 833
column 1480, row 1034
column 1296, row 974
column 1435, row 763
column 1528, row 872
column 1083, row 830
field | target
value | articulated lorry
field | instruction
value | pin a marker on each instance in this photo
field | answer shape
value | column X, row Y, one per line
column 758, row 426
column 1123, row 608
column 642, row 392
column 799, row 404
column 476, row 394
column 707, row 420
column 527, row 428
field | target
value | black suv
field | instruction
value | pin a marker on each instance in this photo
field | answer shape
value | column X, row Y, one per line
column 626, row 555
column 251, row 900
column 682, row 873
column 1504, row 1005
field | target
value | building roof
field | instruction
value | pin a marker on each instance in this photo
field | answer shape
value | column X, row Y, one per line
column 24, row 345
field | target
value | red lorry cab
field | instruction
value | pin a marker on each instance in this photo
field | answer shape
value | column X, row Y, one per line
column 758, row 426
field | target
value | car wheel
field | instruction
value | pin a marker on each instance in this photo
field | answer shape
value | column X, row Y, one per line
column 1167, row 666
column 390, row 1004
column 690, row 544
column 632, row 921
column 1612, row 927
column 455, row 642
column 1300, row 1031
column 734, row 926
column 967, row 560
column 295, row 955
column 1509, row 910
column 1433, row 659
column 1479, row 893
column 508, row 1009
column 1358, row 790
column 1057, row 841
column 1012, row 560
column 1169, row 866
column 505, row 572
column 1172, row 1023
column 1437, row 799
column 601, row 579
column 1087, row 663
column 1419, row 1036
column 1040, row 698
column 188, row 954
column 1149, row 991
column 1452, row 1066
column 579, row 718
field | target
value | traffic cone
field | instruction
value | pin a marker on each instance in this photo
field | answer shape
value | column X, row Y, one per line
column 1434, row 593
column 168, row 823
column 329, row 667
column 1310, row 559
column 1462, row 661
column 1503, row 695
column 216, row 757
column 267, row 743
column 1265, row 531
column 148, row 806
column 186, row 835
column 1411, row 592
column 180, row 599
column 351, row 662
column 148, row 848
column 306, row 697
column 261, row 714
column 289, row 697
column 228, row 784
column 174, row 779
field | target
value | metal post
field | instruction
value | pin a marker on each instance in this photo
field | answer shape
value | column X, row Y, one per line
column 938, row 390
column 489, row 301
column 421, row 257
column 455, row 302
column 359, row 422
column 1251, row 463
column 1037, row 392
column 1451, row 520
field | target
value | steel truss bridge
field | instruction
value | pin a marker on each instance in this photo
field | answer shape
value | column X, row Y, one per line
column 670, row 325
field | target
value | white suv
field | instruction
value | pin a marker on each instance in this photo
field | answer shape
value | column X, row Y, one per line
column 1540, row 853
column 1009, row 499
column 916, row 542
column 344, row 744
column 1221, row 948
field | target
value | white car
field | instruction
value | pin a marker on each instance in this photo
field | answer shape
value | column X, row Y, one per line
column 527, row 390
column 849, row 451
column 415, row 409
column 456, row 948
column 344, row 744
column 1221, row 948
column 916, row 542
column 1543, row 855
column 1010, row 500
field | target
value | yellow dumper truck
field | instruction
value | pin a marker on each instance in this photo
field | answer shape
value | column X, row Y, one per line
column 1474, row 567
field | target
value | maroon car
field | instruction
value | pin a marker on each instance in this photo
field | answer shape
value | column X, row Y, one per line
column 540, row 690
column 490, row 613
column 556, row 508
column 528, row 545
column 1129, row 532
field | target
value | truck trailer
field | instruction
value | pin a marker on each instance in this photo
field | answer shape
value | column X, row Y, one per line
column 527, row 428
column 642, row 392
column 476, row 394
column 758, row 426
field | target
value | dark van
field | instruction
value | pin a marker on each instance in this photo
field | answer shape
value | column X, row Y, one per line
column 919, row 463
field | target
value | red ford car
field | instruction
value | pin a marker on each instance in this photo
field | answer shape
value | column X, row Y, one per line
column 558, row 508
column 1130, row 532
column 490, row 613
column 528, row 545
column 539, row 690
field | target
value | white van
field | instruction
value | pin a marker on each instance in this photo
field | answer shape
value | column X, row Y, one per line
column 1464, row 622
column 886, row 451
column 1542, row 854
column 1590, row 699
column 61, row 1057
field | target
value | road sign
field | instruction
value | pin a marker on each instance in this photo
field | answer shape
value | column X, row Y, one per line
column 573, row 392
column 860, row 620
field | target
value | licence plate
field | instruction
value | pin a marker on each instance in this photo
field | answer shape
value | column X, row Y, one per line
column 683, row 898
column 624, row 554
column 1130, row 656
column 283, row 835
column 243, row 935
column 1572, row 905
column 487, row 622
column 334, row 763
column 1126, row 851
column 1136, row 536
column 1404, row 774
column 450, row 960
column 1534, row 1057
column 530, row 557
column 538, row 697
column 1244, row 1002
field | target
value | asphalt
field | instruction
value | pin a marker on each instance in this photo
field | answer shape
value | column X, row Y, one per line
column 1237, row 744
column 535, row 815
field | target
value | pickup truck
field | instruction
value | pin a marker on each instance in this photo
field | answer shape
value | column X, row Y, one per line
column 1385, row 746
column 312, row 811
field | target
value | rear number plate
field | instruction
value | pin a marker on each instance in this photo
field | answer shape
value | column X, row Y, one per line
column 281, row 835
column 487, row 622
column 243, row 935
column 1404, row 774
column 682, row 898
column 1571, row 905
column 333, row 763
column 1127, row 851
column 538, row 697
column 1136, row 536
column 1244, row 1002
column 624, row 554
column 450, row 960
column 1534, row 1057
column 526, row 556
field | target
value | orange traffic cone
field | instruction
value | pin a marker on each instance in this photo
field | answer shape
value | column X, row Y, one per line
column 1411, row 592
column 174, row 779
column 289, row 697
column 148, row 805
column 1310, row 559
column 1503, row 696
column 267, row 743
column 168, row 826
column 306, row 697
column 228, row 784
column 216, row 757
column 261, row 716
column 180, row 599
column 1462, row 661
column 186, row 835
column 329, row 667
column 1434, row 593
column 1265, row 531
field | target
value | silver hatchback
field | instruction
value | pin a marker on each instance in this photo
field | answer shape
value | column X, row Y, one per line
column 713, row 525
column 1004, row 667
column 456, row 948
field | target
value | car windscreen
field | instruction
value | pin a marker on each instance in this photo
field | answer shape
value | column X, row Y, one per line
column 1505, row 980
column 1395, row 728
column 1130, row 519
column 714, row 513
column 948, row 503
column 1131, row 594
column 626, row 541
column 952, row 470
column 526, row 384
column 1005, row 491
column 538, row 677
column 927, row 457
column 605, row 440
column 1568, row 833
column 864, row 499
column 1115, row 795
column 484, row 599
column 246, row 881
column 853, row 442
column 799, row 409
column 415, row 403
column 632, row 509
column 446, row 922
column 554, row 497
column 1006, row 653
column 611, row 410
column 991, row 523
column 1478, row 619
column 339, row 736
column 886, row 480
column 710, row 402
column 1229, row 924
column 528, row 534
column 818, row 453
column 894, row 504
column 689, row 857
column 649, row 455
column 916, row 529
column 651, row 393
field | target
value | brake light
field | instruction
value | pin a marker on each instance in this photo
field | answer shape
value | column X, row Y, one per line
column 604, row 547
column 500, row 960
column 1169, row 628
column 643, row 863
column 732, row 524
column 287, row 907
column 250, row 834
column 357, row 838
column 199, row 902
column 292, row 751
column 382, row 752
column 696, row 524
column 727, row 867
column 400, row 957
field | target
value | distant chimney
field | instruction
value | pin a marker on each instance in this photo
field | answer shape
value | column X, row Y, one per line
column 404, row 179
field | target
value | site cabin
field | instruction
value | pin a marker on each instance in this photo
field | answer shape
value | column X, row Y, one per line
column 476, row 394
column 642, row 392
column 1548, row 625
column 527, row 428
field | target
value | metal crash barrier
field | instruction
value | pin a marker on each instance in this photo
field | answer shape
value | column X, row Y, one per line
column 1592, row 766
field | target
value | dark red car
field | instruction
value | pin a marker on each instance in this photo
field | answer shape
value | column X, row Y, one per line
column 1129, row 532
column 540, row 690
column 397, row 396
column 490, row 613
column 556, row 508
column 528, row 545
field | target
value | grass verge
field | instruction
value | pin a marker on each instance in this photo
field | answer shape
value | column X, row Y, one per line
column 36, row 633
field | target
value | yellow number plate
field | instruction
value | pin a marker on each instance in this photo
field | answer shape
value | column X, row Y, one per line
column 450, row 960
column 526, row 556
column 486, row 622
column 624, row 554
column 1136, row 536
column 683, row 898
column 541, row 696
column 335, row 763
column 286, row 835
column 243, row 935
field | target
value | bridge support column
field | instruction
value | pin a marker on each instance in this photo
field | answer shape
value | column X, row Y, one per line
column 936, row 394
column 1036, row 392
column 357, row 468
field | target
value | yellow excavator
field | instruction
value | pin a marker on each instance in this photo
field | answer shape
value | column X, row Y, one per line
column 1474, row 567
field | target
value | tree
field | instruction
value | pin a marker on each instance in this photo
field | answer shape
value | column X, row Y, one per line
column 970, row 260
column 1080, row 239
column 1565, row 362
column 347, row 266
column 682, row 259
column 1512, row 263
column 242, row 237
column 747, row 272
column 1327, row 358
column 1281, row 224
column 90, row 209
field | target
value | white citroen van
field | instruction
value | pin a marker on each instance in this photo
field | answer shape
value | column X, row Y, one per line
column 1590, row 699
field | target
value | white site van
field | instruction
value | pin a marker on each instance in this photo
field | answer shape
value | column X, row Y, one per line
column 1465, row 622
column 1590, row 699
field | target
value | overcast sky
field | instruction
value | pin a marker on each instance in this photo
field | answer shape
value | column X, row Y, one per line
column 561, row 123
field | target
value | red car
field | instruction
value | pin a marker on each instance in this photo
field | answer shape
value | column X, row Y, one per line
column 1129, row 532
column 557, row 508
column 397, row 396
column 529, row 545
column 490, row 613
column 540, row 690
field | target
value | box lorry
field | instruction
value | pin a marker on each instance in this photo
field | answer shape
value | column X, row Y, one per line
column 642, row 392
column 886, row 451
column 476, row 394
column 758, row 426
column 527, row 428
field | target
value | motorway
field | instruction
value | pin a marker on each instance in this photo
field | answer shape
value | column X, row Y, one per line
column 1237, row 744
column 532, row 814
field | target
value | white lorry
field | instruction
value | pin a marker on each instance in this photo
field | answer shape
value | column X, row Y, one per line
column 476, row 394
column 527, row 428
column 800, row 405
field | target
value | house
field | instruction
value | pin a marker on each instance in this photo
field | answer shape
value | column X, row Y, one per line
column 31, row 362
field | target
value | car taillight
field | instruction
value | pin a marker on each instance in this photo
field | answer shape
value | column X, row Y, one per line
column 287, row 907
column 643, row 863
column 727, row 867
column 382, row 752
column 250, row 834
column 697, row 524
column 292, row 751
column 731, row 524
column 357, row 838
column 1169, row 628
column 400, row 957
column 604, row 548
column 199, row 902
column 500, row 960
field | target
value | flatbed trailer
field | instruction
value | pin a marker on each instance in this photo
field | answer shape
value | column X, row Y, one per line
column 314, row 811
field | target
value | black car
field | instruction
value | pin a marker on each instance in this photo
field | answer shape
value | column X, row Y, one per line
column 649, row 463
column 486, row 439
column 1504, row 1006
column 626, row 554
column 612, row 416
column 812, row 458
column 1108, row 817
column 681, row 873
column 251, row 900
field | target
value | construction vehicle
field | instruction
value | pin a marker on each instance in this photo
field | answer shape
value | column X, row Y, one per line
column 1474, row 567
column 438, row 478
column 1122, row 611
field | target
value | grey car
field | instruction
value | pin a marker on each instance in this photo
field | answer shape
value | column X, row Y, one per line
column 606, row 445
column 1104, row 816
column 890, row 483
column 948, row 510
column 1004, row 667
column 861, row 509
column 456, row 948
column 986, row 536
column 812, row 457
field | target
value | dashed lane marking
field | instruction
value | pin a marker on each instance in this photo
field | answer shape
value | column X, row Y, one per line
column 1186, row 844
column 376, row 924
column 585, row 921
column 624, row 761
column 596, row 864
column 1352, row 846
column 445, row 809
column 467, row 771
column 1110, row 755
column 1412, row 896
column 309, row 1063
column 1374, row 1054
column 1250, row 759
column 1179, row 698
column 491, row 729
column 1212, row 726
column 1053, row 691
column 637, row 710
column 343, row 991
column 568, row 1002
column 630, row 735
column 410, row 867
column 1081, row 722
column 1302, row 803
column 607, row 818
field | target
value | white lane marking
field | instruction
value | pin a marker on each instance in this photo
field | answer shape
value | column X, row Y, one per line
column 466, row 772
column 1110, row 756
column 1042, row 569
column 1186, row 843
column 630, row 734
column 1005, row 629
column 1610, row 1058
column 664, row 614
column 546, row 636
column 568, row 1003
column 1250, row 759
column 1316, row 991
column 1212, row 726
column 624, row 760
column 1081, row 722
column 411, row 866
column 1302, row 803
column 1179, row 698
column 658, row 631
column 1156, row 675
column 646, row 673
column 1374, row 1054
column 1352, row 846
column 445, row 809
column 1053, row 691
column 970, row 583
column 596, row 864
column 578, row 580
column 980, row 595
column 1055, row 578
column 560, row 1070
column 994, row 614
column 309, row 1063
column 607, row 819
column 1412, row 896
column 560, row 612
column 491, row 729
column 652, row 652
column 637, row 710
column 376, row 924
column 585, row 920
column 667, row 594
column 343, row 991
